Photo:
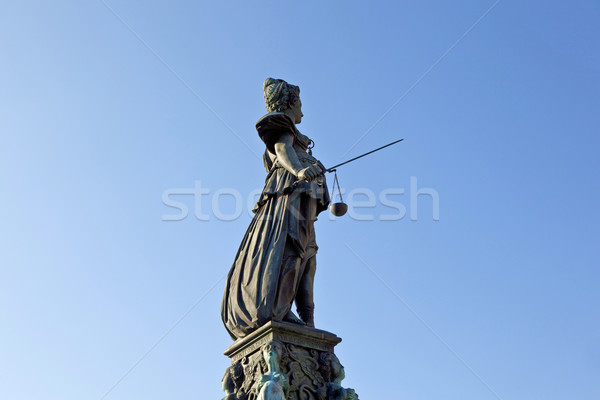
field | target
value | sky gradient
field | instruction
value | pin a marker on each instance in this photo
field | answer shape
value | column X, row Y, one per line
column 106, row 106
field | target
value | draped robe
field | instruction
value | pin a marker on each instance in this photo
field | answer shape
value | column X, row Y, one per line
column 259, row 288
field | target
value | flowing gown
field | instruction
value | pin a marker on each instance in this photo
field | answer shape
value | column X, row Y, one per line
column 270, row 261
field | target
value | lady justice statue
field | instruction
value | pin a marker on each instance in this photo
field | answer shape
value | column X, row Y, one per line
column 275, row 263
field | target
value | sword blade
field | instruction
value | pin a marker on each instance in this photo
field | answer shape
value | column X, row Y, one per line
column 366, row 154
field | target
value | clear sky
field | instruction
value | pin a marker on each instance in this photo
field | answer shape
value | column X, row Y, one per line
column 104, row 113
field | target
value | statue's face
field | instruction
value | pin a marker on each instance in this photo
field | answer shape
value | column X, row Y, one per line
column 271, row 351
column 296, row 110
column 338, row 372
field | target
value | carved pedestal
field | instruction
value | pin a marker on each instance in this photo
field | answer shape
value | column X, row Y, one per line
column 283, row 361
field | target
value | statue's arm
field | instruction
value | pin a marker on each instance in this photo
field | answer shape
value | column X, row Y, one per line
column 286, row 155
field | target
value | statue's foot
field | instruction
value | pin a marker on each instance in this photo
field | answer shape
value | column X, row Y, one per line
column 291, row 317
column 307, row 315
column 310, row 322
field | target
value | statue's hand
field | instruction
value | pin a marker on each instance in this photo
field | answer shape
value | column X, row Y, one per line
column 349, row 394
column 323, row 169
column 309, row 173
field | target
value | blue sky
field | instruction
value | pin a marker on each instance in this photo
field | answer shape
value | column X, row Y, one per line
column 101, row 298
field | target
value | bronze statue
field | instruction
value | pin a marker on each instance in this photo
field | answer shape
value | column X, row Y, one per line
column 275, row 263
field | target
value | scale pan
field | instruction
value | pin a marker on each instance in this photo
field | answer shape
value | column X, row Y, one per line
column 338, row 209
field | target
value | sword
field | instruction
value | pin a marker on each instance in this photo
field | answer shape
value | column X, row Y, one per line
column 332, row 169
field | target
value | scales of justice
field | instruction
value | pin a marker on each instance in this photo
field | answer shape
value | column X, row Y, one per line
column 278, row 354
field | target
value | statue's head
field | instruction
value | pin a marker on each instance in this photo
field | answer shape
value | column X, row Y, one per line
column 331, row 368
column 273, row 350
column 233, row 379
column 281, row 96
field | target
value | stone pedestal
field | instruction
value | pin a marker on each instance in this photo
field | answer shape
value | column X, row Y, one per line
column 284, row 361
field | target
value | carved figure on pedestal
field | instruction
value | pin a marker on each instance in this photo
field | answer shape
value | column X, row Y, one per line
column 333, row 372
column 273, row 385
column 232, row 383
